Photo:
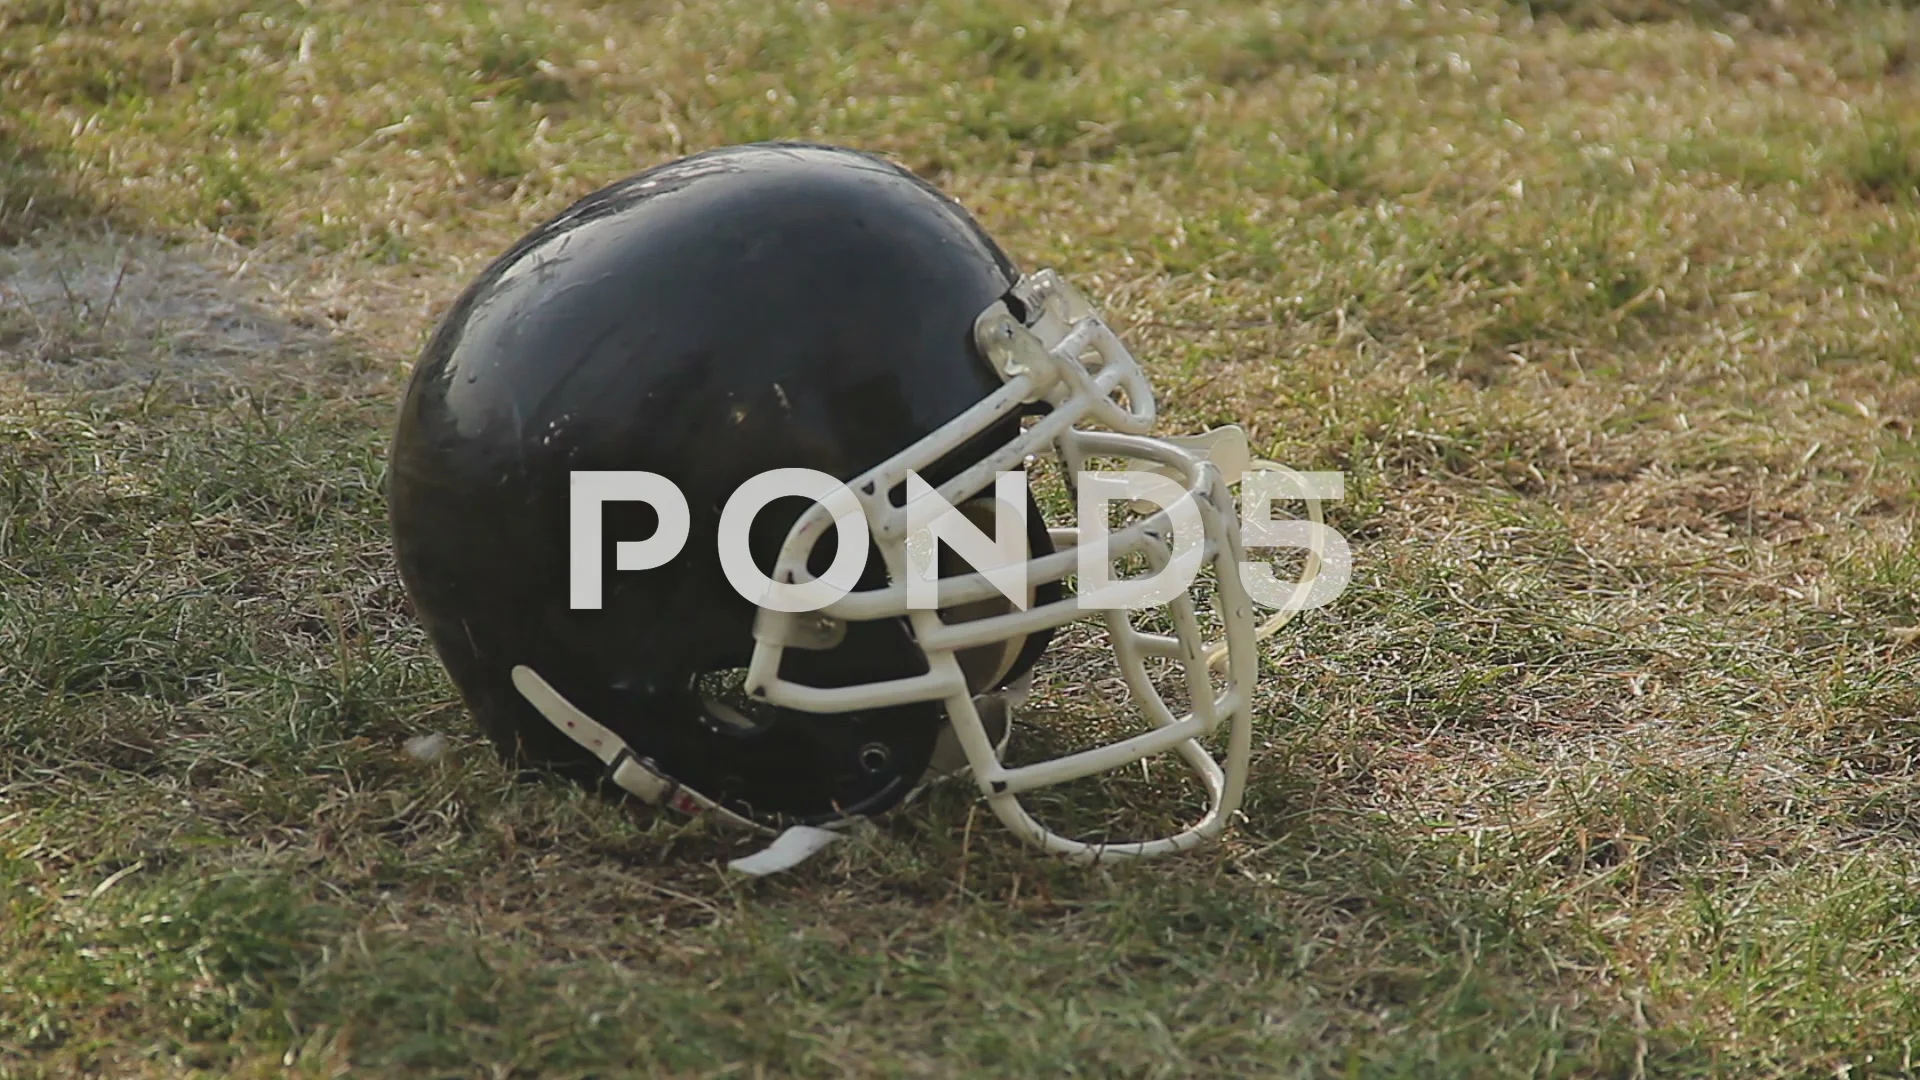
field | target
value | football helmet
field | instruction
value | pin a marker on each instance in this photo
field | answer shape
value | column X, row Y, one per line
column 788, row 306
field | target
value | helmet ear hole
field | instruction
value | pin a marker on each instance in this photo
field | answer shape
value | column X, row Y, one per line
column 875, row 757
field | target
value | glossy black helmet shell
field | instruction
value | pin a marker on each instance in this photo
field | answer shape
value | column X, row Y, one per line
column 744, row 309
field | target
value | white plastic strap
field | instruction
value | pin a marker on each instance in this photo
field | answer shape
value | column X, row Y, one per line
column 788, row 850
column 635, row 775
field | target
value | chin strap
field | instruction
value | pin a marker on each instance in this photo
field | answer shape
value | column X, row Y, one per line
column 788, row 850
column 642, row 779
column 637, row 776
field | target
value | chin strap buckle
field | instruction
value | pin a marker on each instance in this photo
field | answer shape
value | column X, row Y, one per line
column 642, row 779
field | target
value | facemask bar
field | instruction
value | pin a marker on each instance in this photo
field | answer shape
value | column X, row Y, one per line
column 1067, row 357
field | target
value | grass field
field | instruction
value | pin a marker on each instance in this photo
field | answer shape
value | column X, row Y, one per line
column 1605, row 765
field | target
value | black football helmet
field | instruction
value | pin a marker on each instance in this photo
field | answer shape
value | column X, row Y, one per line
column 784, row 306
